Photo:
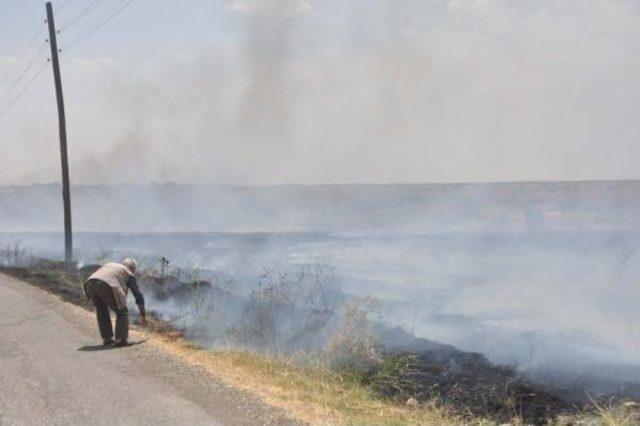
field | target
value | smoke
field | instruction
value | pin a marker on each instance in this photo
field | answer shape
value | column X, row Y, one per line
column 552, row 292
column 266, row 102
column 375, row 91
column 272, row 8
column 370, row 91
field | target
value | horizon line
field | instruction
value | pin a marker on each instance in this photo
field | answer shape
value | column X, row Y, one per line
column 275, row 185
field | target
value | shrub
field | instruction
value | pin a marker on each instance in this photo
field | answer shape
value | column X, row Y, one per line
column 397, row 377
column 353, row 345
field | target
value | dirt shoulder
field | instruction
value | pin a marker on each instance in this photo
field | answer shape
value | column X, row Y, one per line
column 53, row 372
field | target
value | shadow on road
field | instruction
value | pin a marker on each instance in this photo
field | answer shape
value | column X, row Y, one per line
column 93, row 348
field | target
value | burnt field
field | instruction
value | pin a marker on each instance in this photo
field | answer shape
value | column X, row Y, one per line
column 305, row 314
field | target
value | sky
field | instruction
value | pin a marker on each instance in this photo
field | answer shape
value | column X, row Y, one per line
column 325, row 91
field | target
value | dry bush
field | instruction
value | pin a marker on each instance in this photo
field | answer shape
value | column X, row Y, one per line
column 288, row 311
column 210, row 308
column 353, row 345
column 15, row 256
column 193, row 302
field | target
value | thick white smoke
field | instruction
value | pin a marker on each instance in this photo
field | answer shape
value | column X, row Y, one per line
column 369, row 91
column 363, row 91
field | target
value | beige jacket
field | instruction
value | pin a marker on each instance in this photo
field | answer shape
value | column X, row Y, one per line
column 116, row 275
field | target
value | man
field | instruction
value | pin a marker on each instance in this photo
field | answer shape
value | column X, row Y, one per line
column 108, row 288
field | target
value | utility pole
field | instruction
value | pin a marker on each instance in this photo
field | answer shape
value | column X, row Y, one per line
column 66, row 193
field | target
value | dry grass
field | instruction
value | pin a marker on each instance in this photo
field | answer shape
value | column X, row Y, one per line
column 617, row 415
column 312, row 393
column 612, row 415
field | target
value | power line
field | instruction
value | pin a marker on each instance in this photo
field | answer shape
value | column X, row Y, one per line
column 63, row 5
column 24, row 72
column 23, row 54
column 84, row 12
column 15, row 99
column 99, row 23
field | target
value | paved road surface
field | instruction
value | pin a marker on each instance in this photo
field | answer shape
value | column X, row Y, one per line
column 46, row 379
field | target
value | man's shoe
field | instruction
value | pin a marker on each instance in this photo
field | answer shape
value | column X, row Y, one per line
column 121, row 343
column 108, row 342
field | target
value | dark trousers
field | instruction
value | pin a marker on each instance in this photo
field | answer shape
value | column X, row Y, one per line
column 102, row 295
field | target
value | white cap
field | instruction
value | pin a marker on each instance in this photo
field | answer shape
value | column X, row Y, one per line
column 130, row 264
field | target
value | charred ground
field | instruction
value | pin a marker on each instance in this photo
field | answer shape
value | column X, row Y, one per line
column 273, row 318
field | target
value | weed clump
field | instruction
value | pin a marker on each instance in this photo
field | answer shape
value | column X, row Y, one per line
column 397, row 377
column 353, row 346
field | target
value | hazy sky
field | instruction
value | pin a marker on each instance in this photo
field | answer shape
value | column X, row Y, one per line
column 323, row 91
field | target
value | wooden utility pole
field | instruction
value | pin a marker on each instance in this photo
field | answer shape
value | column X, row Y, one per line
column 66, row 193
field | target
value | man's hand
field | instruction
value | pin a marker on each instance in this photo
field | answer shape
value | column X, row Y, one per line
column 143, row 315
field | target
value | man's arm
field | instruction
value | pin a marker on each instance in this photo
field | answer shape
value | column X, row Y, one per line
column 137, row 294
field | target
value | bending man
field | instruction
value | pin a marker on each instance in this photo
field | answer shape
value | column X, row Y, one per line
column 108, row 288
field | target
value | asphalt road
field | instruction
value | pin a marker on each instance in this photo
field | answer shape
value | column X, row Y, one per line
column 51, row 373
